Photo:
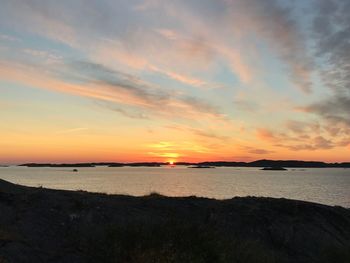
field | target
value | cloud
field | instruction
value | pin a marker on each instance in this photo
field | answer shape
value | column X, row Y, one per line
column 209, row 134
column 73, row 130
column 9, row 38
column 206, row 133
column 331, row 29
column 181, row 38
column 117, row 82
column 329, row 126
column 309, row 136
column 334, row 109
column 166, row 155
column 241, row 21
column 181, row 148
column 296, row 126
column 180, row 77
column 317, row 143
column 146, row 59
column 266, row 134
column 129, row 112
column 40, row 17
column 162, row 145
column 99, row 82
column 245, row 105
column 48, row 57
column 274, row 24
column 258, row 151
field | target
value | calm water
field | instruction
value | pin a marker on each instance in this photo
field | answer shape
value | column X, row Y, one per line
column 327, row 186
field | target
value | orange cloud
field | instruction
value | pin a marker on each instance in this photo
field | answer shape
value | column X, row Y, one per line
column 140, row 95
column 265, row 134
column 179, row 77
column 165, row 155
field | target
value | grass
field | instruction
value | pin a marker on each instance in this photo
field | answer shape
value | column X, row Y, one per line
column 6, row 235
column 169, row 242
column 181, row 242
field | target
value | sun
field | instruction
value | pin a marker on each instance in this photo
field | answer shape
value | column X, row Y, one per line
column 171, row 162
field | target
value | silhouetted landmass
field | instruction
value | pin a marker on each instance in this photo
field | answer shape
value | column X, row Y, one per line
column 185, row 163
column 117, row 165
column 276, row 168
column 42, row 225
column 273, row 163
column 69, row 165
column 142, row 164
column 259, row 163
column 201, row 166
column 225, row 164
column 299, row 164
column 145, row 164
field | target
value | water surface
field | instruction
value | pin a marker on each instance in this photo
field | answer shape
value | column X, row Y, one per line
column 327, row 186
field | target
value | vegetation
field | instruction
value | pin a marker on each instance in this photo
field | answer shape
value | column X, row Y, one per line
column 41, row 225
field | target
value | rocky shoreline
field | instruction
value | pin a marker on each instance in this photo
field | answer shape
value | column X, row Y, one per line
column 43, row 225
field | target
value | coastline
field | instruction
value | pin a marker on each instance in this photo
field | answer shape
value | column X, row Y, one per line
column 258, row 163
column 44, row 225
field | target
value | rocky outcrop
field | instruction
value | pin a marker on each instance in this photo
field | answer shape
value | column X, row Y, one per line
column 42, row 225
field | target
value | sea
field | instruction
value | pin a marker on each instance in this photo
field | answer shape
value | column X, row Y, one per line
column 330, row 186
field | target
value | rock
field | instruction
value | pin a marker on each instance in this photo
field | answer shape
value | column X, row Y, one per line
column 115, row 228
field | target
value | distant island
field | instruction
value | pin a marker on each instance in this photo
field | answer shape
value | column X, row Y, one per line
column 201, row 166
column 276, row 168
column 259, row 163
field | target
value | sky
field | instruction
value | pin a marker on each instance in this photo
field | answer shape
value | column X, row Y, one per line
column 174, row 80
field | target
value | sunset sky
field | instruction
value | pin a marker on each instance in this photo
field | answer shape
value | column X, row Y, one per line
column 182, row 80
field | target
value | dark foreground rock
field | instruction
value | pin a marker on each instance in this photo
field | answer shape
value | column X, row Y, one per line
column 41, row 225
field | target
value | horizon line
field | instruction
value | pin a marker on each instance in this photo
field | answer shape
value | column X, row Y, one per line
column 173, row 161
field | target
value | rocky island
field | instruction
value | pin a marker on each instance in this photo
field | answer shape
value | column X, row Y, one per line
column 274, row 168
column 42, row 225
